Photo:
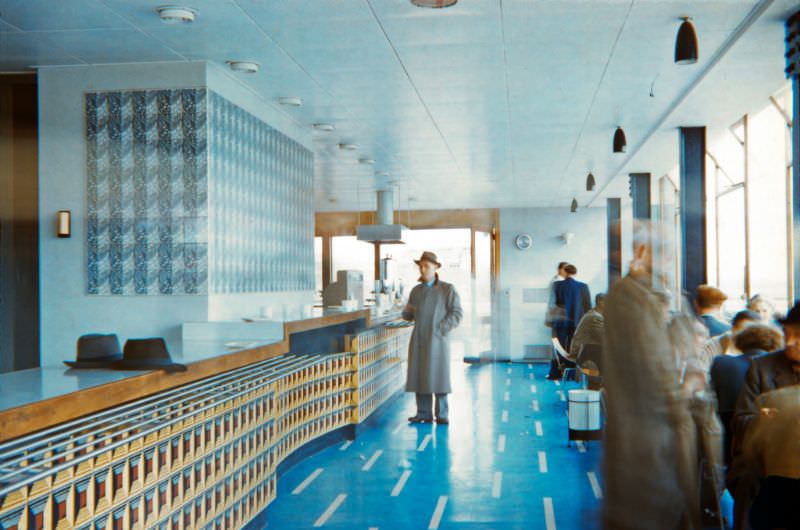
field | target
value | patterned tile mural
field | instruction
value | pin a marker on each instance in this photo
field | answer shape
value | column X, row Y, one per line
column 260, row 205
column 189, row 194
column 147, row 192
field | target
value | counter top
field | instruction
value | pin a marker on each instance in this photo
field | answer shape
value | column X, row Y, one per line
column 34, row 399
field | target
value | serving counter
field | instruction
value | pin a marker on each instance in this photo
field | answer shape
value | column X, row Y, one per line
column 194, row 449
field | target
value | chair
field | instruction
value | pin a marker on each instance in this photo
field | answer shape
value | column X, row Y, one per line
column 565, row 361
column 590, row 365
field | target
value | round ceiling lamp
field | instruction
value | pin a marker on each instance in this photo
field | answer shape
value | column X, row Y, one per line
column 176, row 14
column 290, row 101
column 325, row 127
column 366, row 160
column 348, row 147
column 686, row 43
column 247, row 67
column 436, row 4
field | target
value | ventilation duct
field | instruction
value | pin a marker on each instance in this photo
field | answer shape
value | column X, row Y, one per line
column 385, row 231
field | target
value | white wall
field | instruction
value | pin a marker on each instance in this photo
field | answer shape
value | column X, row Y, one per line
column 66, row 310
column 520, row 323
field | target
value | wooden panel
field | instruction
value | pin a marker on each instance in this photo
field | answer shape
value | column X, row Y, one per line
column 345, row 223
column 36, row 416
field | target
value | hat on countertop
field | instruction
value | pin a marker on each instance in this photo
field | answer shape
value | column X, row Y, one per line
column 96, row 350
column 147, row 354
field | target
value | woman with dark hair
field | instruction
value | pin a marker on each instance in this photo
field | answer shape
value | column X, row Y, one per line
column 728, row 372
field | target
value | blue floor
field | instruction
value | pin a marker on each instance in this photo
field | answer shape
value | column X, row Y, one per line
column 478, row 472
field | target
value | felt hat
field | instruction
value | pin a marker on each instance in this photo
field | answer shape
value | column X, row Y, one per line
column 96, row 350
column 430, row 257
column 147, row 354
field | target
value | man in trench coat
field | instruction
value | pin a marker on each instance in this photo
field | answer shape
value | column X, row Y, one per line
column 435, row 309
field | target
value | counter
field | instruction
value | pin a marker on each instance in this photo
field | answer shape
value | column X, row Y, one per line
column 34, row 399
column 196, row 449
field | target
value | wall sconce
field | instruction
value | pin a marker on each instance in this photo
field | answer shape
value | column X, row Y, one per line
column 63, row 223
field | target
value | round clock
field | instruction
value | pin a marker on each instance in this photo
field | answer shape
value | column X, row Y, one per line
column 523, row 241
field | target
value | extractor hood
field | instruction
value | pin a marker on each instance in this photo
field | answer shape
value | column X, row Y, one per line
column 384, row 231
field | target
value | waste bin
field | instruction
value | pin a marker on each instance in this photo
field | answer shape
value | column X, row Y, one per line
column 584, row 415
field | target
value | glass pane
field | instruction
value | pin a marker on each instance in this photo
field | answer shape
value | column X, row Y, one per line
column 318, row 265
column 769, row 144
column 731, row 248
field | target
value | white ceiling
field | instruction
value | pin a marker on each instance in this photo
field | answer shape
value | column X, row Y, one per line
column 490, row 103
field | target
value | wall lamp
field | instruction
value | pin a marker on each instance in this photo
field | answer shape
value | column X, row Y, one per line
column 63, row 223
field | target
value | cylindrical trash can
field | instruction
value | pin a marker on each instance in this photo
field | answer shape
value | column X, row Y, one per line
column 584, row 415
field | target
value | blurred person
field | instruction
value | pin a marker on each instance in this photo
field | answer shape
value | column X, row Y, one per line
column 708, row 303
column 766, row 373
column 772, row 449
column 573, row 300
column 759, row 304
column 435, row 308
column 724, row 344
column 650, row 456
column 728, row 372
column 554, row 313
column 590, row 328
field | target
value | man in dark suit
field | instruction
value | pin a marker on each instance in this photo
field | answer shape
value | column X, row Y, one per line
column 766, row 373
column 573, row 300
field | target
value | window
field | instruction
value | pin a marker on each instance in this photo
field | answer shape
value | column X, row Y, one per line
column 748, row 178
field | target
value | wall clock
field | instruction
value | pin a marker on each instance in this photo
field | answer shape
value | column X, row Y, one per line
column 523, row 241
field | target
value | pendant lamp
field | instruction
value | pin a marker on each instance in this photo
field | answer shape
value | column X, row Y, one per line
column 590, row 183
column 574, row 206
column 686, row 43
column 620, row 144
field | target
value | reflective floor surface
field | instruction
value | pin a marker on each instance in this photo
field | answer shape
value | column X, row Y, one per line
column 502, row 463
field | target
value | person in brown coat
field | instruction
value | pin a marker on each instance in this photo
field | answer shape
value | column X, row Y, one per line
column 766, row 373
column 435, row 309
column 649, row 458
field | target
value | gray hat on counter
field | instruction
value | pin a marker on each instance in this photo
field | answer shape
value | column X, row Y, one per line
column 147, row 354
column 96, row 350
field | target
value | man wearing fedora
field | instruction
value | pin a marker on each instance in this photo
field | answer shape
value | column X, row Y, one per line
column 435, row 309
column 767, row 373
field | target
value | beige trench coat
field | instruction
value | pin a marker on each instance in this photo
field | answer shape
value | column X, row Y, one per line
column 649, row 455
column 436, row 311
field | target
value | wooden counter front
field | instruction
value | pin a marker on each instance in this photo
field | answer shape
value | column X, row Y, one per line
column 18, row 421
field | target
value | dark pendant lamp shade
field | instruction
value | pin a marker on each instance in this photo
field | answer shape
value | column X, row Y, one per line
column 574, row 206
column 686, row 43
column 590, row 183
column 620, row 144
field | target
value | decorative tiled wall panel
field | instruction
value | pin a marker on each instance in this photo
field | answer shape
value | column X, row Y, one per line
column 147, row 187
column 261, row 205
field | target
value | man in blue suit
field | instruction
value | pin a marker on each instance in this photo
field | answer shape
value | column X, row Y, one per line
column 573, row 300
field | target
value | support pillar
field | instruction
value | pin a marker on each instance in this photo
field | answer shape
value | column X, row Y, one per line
column 693, row 208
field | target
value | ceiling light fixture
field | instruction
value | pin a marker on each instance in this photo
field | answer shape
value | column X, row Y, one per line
column 620, row 144
column 574, row 206
column 366, row 160
column 434, row 3
column 686, row 43
column 176, row 14
column 291, row 101
column 325, row 127
column 348, row 147
column 247, row 67
column 590, row 183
